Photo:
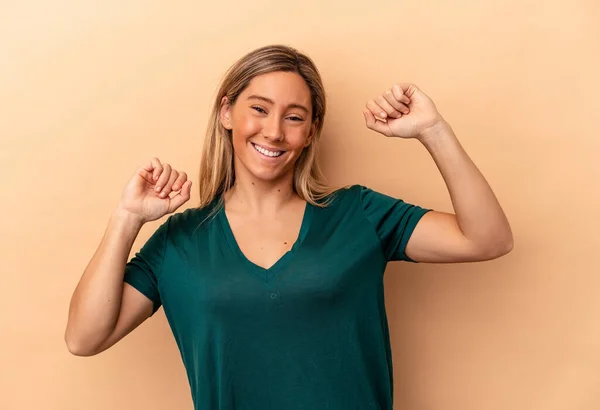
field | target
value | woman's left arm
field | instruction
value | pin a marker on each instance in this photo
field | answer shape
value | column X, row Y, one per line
column 479, row 229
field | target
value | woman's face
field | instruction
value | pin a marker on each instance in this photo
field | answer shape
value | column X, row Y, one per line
column 271, row 124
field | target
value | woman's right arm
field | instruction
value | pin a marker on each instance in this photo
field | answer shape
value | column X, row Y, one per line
column 104, row 308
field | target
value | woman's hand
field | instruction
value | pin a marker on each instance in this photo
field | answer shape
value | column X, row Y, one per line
column 146, row 195
column 403, row 111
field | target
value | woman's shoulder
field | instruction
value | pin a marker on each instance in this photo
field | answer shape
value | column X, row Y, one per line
column 344, row 193
column 192, row 218
column 357, row 196
column 341, row 198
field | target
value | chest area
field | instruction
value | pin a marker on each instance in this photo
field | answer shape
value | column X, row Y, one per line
column 221, row 290
column 323, row 264
column 264, row 241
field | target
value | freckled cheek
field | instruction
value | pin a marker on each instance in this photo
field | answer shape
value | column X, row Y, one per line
column 296, row 137
column 248, row 127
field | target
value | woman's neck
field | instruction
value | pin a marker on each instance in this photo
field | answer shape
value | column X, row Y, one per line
column 256, row 197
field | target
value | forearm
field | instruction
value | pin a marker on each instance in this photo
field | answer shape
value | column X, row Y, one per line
column 96, row 302
column 478, row 212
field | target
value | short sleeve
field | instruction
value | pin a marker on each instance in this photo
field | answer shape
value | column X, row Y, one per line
column 143, row 270
column 393, row 219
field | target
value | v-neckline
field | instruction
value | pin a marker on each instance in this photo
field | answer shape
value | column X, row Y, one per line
column 267, row 274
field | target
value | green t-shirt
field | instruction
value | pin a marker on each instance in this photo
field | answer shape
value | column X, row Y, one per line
column 308, row 333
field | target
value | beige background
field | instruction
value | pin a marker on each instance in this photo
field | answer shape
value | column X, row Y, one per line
column 90, row 90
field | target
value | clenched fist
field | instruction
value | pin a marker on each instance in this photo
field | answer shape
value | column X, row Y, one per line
column 147, row 195
column 403, row 111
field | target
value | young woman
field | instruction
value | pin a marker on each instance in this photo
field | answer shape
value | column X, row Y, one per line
column 273, row 285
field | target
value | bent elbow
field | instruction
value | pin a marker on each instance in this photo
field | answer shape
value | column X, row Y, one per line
column 78, row 348
column 500, row 248
column 509, row 245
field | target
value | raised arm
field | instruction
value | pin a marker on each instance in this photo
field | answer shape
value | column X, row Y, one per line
column 103, row 307
column 478, row 229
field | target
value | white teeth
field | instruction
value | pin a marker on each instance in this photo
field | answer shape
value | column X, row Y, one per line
column 267, row 152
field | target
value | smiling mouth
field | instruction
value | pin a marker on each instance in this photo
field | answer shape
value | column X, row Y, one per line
column 266, row 152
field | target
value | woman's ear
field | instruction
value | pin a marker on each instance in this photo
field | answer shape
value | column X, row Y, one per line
column 311, row 134
column 225, row 114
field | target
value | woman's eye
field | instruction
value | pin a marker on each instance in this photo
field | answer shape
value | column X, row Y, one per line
column 262, row 111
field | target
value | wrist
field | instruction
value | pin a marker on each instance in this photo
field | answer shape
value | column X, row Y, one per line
column 126, row 217
column 436, row 132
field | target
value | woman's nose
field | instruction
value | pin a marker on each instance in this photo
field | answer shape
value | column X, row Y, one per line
column 272, row 129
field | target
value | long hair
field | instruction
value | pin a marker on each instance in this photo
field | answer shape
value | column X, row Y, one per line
column 216, row 166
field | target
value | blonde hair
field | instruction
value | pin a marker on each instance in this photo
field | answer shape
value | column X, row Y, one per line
column 216, row 166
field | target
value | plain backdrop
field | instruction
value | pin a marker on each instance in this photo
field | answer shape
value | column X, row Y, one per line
column 91, row 90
